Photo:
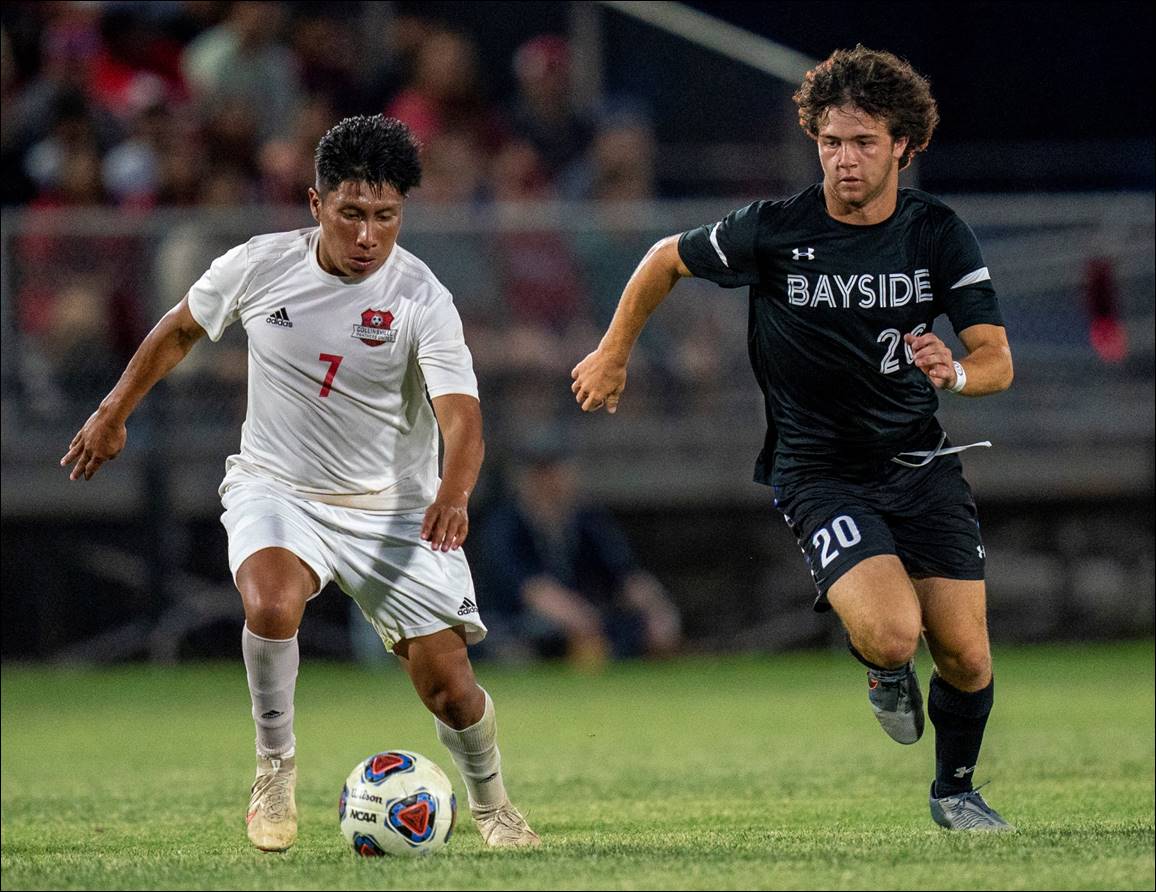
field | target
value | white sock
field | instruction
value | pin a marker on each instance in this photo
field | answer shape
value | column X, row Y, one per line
column 475, row 752
column 271, row 666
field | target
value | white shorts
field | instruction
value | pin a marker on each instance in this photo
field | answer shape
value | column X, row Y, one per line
column 403, row 587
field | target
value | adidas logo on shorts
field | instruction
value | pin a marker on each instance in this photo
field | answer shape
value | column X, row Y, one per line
column 468, row 606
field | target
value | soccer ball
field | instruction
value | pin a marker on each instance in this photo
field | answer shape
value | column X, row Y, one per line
column 397, row 803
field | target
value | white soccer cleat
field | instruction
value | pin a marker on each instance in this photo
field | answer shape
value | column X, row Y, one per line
column 502, row 826
column 272, row 815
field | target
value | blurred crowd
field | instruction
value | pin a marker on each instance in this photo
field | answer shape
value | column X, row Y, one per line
column 139, row 106
column 213, row 105
column 147, row 104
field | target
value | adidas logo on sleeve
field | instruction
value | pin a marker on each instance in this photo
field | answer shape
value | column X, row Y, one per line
column 468, row 606
column 281, row 317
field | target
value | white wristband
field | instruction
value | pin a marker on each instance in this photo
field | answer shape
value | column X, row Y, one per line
column 960, row 378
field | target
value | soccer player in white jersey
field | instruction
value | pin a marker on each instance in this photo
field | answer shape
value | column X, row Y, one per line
column 351, row 338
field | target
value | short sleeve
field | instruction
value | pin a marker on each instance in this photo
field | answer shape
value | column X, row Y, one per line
column 962, row 279
column 215, row 298
column 442, row 353
column 724, row 252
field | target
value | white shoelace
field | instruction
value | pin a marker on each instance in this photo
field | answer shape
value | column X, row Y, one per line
column 272, row 791
column 930, row 455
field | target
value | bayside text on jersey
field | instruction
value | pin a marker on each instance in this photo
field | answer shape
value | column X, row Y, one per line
column 339, row 370
column 830, row 303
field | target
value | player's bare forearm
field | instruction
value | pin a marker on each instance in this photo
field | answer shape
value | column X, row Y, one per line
column 988, row 362
column 600, row 378
column 103, row 435
column 987, row 365
column 447, row 521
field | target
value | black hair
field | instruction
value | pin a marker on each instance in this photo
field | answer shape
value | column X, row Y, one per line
column 371, row 149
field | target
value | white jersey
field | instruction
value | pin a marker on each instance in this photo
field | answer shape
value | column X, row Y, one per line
column 338, row 371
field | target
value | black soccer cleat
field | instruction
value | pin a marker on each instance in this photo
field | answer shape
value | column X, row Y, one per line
column 897, row 701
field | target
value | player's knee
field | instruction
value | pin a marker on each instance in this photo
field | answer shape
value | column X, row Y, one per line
column 892, row 644
column 458, row 702
column 272, row 614
column 968, row 669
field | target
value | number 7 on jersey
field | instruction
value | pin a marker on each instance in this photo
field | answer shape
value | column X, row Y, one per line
column 334, row 362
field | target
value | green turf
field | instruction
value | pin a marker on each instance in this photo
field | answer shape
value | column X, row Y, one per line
column 736, row 773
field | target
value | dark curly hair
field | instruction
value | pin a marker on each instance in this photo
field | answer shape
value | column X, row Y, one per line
column 376, row 150
column 879, row 83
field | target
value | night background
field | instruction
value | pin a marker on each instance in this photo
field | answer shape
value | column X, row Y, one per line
column 141, row 140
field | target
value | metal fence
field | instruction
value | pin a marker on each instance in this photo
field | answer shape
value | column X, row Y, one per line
column 536, row 285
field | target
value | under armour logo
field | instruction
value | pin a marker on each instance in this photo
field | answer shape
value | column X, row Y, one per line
column 964, row 771
column 803, row 253
column 982, row 553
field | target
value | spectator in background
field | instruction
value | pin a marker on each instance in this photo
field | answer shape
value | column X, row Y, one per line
column 445, row 97
column 286, row 165
column 132, row 169
column 71, row 134
column 622, row 159
column 329, row 57
column 541, row 282
column 242, row 64
column 78, row 301
column 135, row 66
column 454, row 171
column 68, row 48
column 558, row 571
column 679, row 355
column 543, row 112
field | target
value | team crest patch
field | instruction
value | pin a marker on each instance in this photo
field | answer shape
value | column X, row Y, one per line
column 374, row 329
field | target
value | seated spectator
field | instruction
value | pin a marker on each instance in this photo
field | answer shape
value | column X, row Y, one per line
column 543, row 111
column 559, row 573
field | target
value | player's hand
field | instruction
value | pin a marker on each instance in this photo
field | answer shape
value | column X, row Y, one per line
column 446, row 523
column 599, row 380
column 100, row 440
column 933, row 358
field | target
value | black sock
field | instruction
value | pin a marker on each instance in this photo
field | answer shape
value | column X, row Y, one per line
column 959, row 718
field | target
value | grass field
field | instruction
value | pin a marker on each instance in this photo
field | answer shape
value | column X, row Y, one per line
column 724, row 774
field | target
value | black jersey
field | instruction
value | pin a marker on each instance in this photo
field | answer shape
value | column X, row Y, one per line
column 830, row 303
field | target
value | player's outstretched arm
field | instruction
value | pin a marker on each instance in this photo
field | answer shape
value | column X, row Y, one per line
column 103, row 435
column 987, row 366
column 600, row 378
column 447, row 520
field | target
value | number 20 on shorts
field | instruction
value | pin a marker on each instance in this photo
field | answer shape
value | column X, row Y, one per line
column 841, row 530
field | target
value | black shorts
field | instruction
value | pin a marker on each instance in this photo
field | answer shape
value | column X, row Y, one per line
column 925, row 516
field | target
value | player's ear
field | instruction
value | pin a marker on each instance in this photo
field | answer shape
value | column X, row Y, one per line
column 898, row 147
column 315, row 204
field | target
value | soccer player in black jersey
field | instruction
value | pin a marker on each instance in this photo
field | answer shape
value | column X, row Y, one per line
column 846, row 279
